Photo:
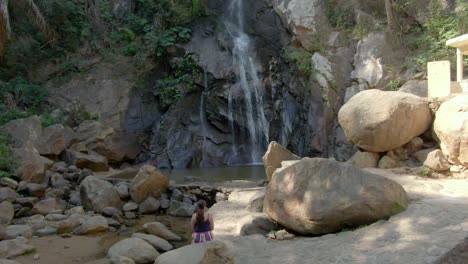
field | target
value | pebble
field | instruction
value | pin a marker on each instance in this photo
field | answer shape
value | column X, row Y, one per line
column 36, row 256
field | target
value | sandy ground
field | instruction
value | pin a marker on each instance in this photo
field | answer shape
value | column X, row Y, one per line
column 93, row 249
column 434, row 223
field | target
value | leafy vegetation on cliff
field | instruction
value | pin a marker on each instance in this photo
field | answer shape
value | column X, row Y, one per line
column 5, row 157
column 38, row 35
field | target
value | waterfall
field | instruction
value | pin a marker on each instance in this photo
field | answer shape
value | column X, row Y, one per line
column 252, row 119
column 203, row 121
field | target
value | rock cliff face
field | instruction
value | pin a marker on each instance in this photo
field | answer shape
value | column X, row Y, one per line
column 296, row 97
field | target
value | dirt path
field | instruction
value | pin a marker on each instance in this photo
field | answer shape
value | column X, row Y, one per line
column 435, row 222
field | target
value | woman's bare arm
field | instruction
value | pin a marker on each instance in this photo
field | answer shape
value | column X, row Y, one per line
column 192, row 222
column 211, row 223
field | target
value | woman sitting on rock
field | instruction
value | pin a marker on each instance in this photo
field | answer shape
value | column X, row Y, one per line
column 202, row 224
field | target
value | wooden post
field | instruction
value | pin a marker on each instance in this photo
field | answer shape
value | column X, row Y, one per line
column 459, row 65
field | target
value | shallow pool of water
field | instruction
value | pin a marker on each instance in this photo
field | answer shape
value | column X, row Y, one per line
column 244, row 172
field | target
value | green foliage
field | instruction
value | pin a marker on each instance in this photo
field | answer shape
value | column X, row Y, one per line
column 184, row 73
column 160, row 41
column 429, row 43
column 301, row 57
column 19, row 99
column 47, row 120
column 5, row 157
column 425, row 172
column 339, row 16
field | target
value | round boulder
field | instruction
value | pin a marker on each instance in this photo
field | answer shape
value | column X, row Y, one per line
column 379, row 121
column 451, row 129
column 148, row 182
column 320, row 196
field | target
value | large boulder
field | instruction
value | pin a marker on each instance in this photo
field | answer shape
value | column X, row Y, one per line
column 416, row 87
column 49, row 205
column 15, row 247
column 320, row 196
column 274, row 156
column 182, row 209
column 451, row 129
column 379, row 121
column 157, row 242
column 98, row 194
column 23, row 131
column 209, row 252
column 52, row 141
column 433, row 159
column 91, row 160
column 149, row 181
column 118, row 147
column 91, row 131
column 136, row 249
column 160, row 230
column 31, row 166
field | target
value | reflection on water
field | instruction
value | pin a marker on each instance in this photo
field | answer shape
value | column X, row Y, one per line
column 245, row 172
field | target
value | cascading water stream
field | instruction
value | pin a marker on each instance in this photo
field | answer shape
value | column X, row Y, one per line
column 254, row 121
column 203, row 121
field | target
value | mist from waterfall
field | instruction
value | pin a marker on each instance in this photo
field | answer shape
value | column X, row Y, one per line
column 253, row 119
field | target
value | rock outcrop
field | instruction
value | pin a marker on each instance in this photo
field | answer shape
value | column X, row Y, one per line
column 149, row 181
column 433, row 159
column 209, row 252
column 136, row 249
column 451, row 129
column 98, row 194
column 379, row 121
column 320, row 196
column 274, row 156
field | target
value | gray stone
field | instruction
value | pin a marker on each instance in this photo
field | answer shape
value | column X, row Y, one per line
column 75, row 210
column 362, row 159
column 130, row 206
column 75, row 198
column 36, row 190
column 149, row 206
column 15, row 247
column 433, row 159
column 69, row 224
column 180, row 209
column 7, row 194
column 46, row 206
column 122, row 190
column 122, row 260
column 177, row 195
column 165, row 203
column 27, row 201
column 157, row 242
column 7, row 182
column 92, row 225
column 13, row 231
column 46, row 231
column 7, row 212
column 36, row 222
column 256, row 202
column 52, row 140
column 55, row 217
column 135, row 249
column 160, row 230
column 97, row 194
column 208, row 252
column 255, row 224
column 416, row 87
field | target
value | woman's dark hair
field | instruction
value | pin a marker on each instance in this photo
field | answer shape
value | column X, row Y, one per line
column 200, row 213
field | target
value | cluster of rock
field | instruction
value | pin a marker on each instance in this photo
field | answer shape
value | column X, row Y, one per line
column 58, row 192
column 393, row 129
column 91, row 145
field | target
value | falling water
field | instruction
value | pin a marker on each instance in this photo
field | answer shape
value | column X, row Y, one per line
column 202, row 112
column 251, row 88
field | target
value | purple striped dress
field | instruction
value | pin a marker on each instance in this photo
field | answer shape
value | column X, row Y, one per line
column 202, row 232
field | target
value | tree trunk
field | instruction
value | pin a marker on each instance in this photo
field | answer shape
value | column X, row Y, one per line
column 5, row 29
column 390, row 17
